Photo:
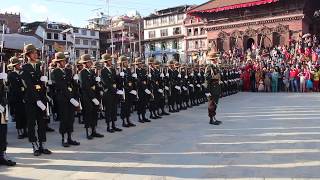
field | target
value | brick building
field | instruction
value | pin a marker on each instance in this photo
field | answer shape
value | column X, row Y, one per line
column 266, row 23
column 11, row 21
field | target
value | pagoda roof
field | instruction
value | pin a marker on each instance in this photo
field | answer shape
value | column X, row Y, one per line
column 223, row 5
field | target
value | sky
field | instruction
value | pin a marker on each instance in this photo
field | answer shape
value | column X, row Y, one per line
column 77, row 12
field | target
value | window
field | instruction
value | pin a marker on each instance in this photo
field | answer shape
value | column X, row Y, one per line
column 196, row 32
column 152, row 34
column 163, row 45
column 176, row 31
column 76, row 30
column 93, row 43
column 77, row 53
column 148, row 22
column 94, row 54
column 152, row 47
column 85, row 42
column 164, row 32
column 64, row 37
column 77, row 41
column 189, row 32
column 86, row 51
column 49, row 36
column 92, row 33
column 56, row 36
column 202, row 31
column 172, row 19
column 175, row 44
column 190, row 45
column 50, row 48
column 164, row 20
column 155, row 22
column 196, row 44
column 84, row 32
column 180, row 17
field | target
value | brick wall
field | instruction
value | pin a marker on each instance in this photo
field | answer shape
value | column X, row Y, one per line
column 12, row 21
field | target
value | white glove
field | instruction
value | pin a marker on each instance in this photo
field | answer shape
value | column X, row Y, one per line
column 162, row 75
column 186, row 77
column 122, row 74
column 147, row 91
column 120, row 92
column 198, row 85
column 135, row 75
column 184, row 88
column 199, row 74
column 98, row 79
column 208, row 94
column 44, row 79
column 192, row 74
column 2, row 109
column 160, row 91
column 179, row 75
column 95, row 101
column 50, row 82
column 3, row 76
column 134, row 92
column 74, row 102
column 149, row 75
column 167, row 74
column 178, row 87
column 76, row 77
column 166, row 88
column 41, row 105
column 191, row 85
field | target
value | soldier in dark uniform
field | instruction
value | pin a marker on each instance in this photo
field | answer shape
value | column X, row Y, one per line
column 88, row 98
column 15, row 97
column 77, row 89
column 3, row 125
column 109, row 99
column 214, row 89
column 142, row 103
column 127, row 91
column 153, row 86
column 159, row 91
column 184, row 86
column 65, row 99
column 171, row 84
column 35, row 98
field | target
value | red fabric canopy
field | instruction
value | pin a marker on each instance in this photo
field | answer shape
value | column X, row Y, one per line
column 234, row 6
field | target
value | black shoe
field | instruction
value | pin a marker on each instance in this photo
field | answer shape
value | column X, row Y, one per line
column 171, row 111
column 125, row 125
column 36, row 152
column 216, row 123
column 45, row 151
column 73, row 143
column 110, row 130
column 146, row 120
column 165, row 114
column 141, row 121
column 158, row 117
column 117, row 129
column 89, row 137
column 219, row 122
column 21, row 136
column 48, row 129
column 153, row 117
column 7, row 162
column 131, row 124
column 65, row 144
column 95, row 134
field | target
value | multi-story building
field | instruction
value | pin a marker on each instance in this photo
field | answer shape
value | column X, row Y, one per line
column 11, row 21
column 86, row 42
column 195, row 37
column 123, row 35
column 164, row 34
column 51, row 33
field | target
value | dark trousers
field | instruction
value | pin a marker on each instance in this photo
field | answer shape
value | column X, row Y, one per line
column 35, row 118
column 90, row 113
column 66, row 114
column 18, row 111
column 126, row 107
column 110, row 107
column 3, row 137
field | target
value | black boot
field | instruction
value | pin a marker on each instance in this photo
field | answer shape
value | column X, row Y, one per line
column 156, row 115
column 64, row 143
column 49, row 129
column 20, row 134
column 145, row 119
column 211, row 120
column 164, row 113
column 109, row 129
column 72, row 142
column 130, row 124
column 5, row 161
column 95, row 134
column 115, row 128
column 89, row 137
column 124, row 124
column 35, row 147
column 140, row 119
column 43, row 149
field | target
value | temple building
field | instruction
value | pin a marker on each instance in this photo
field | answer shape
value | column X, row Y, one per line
column 262, row 23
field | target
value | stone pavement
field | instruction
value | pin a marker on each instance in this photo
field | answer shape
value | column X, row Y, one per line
column 263, row 136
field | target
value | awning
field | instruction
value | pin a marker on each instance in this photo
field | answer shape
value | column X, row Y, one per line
column 17, row 41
